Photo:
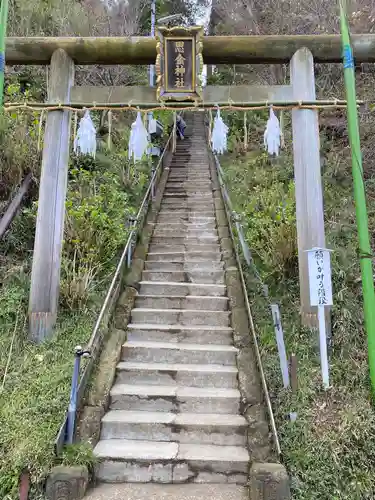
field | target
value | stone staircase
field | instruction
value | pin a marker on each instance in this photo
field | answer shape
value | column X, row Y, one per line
column 174, row 413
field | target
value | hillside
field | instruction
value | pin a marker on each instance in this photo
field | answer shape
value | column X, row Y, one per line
column 329, row 450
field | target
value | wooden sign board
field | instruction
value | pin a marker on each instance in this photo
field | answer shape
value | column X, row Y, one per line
column 179, row 63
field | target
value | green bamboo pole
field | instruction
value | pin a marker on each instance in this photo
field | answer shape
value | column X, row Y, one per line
column 359, row 195
column 3, row 32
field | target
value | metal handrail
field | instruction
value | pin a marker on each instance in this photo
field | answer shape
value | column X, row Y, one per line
column 66, row 432
column 246, row 251
column 128, row 246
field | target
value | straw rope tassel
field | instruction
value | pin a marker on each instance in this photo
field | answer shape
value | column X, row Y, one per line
column 40, row 128
column 282, row 138
column 210, row 127
column 245, row 142
column 75, row 124
column 109, row 129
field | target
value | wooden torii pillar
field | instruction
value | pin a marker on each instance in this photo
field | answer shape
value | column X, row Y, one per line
column 45, row 276
column 307, row 175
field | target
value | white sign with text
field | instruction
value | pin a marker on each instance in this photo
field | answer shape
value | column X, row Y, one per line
column 320, row 279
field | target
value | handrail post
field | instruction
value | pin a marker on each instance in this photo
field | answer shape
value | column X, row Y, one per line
column 133, row 222
column 78, row 353
column 174, row 132
column 153, row 170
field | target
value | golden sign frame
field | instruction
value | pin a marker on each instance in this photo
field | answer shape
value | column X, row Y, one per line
column 194, row 33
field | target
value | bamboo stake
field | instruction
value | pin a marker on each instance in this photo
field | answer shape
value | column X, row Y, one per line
column 365, row 251
column 3, row 31
column 245, row 142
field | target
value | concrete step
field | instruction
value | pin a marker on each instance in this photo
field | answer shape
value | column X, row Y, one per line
column 191, row 161
column 174, row 399
column 185, row 199
column 190, row 185
column 172, row 302
column 180, row 257
column 186, row 225
column 205, row 209
column 169, row 352
column 183, row 173
column 205, row 175
column 183, row 334
column 190, row 179
column 174, row 374
column 189, row 208
column 187, row 232
column 187, row 247
column 198, row 194
column 190, row 205
column 175, row 239
column 187, row 266
column 198, row 191
column 198, row 276
column 180, row 316
column 181, row 198
column 190, row 230
column 187, row 428
column 197, row 163
column 150, row 491
column 198, row 188
column 161, row 462
column 181, row 289
column 186, row 218
column 186, row 213
column 196, row 167
column 166, row 215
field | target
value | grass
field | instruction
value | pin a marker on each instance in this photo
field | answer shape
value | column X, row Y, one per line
column 35, row 380
column 330, row 449
column 33, row 397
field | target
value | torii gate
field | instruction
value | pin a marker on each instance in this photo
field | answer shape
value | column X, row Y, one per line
column 63, row 53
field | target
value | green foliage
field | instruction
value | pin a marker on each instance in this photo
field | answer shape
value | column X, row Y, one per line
column 18, row 142
column 96, row 213
column 267, row 209
column 330, row 449
column 78, row 454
